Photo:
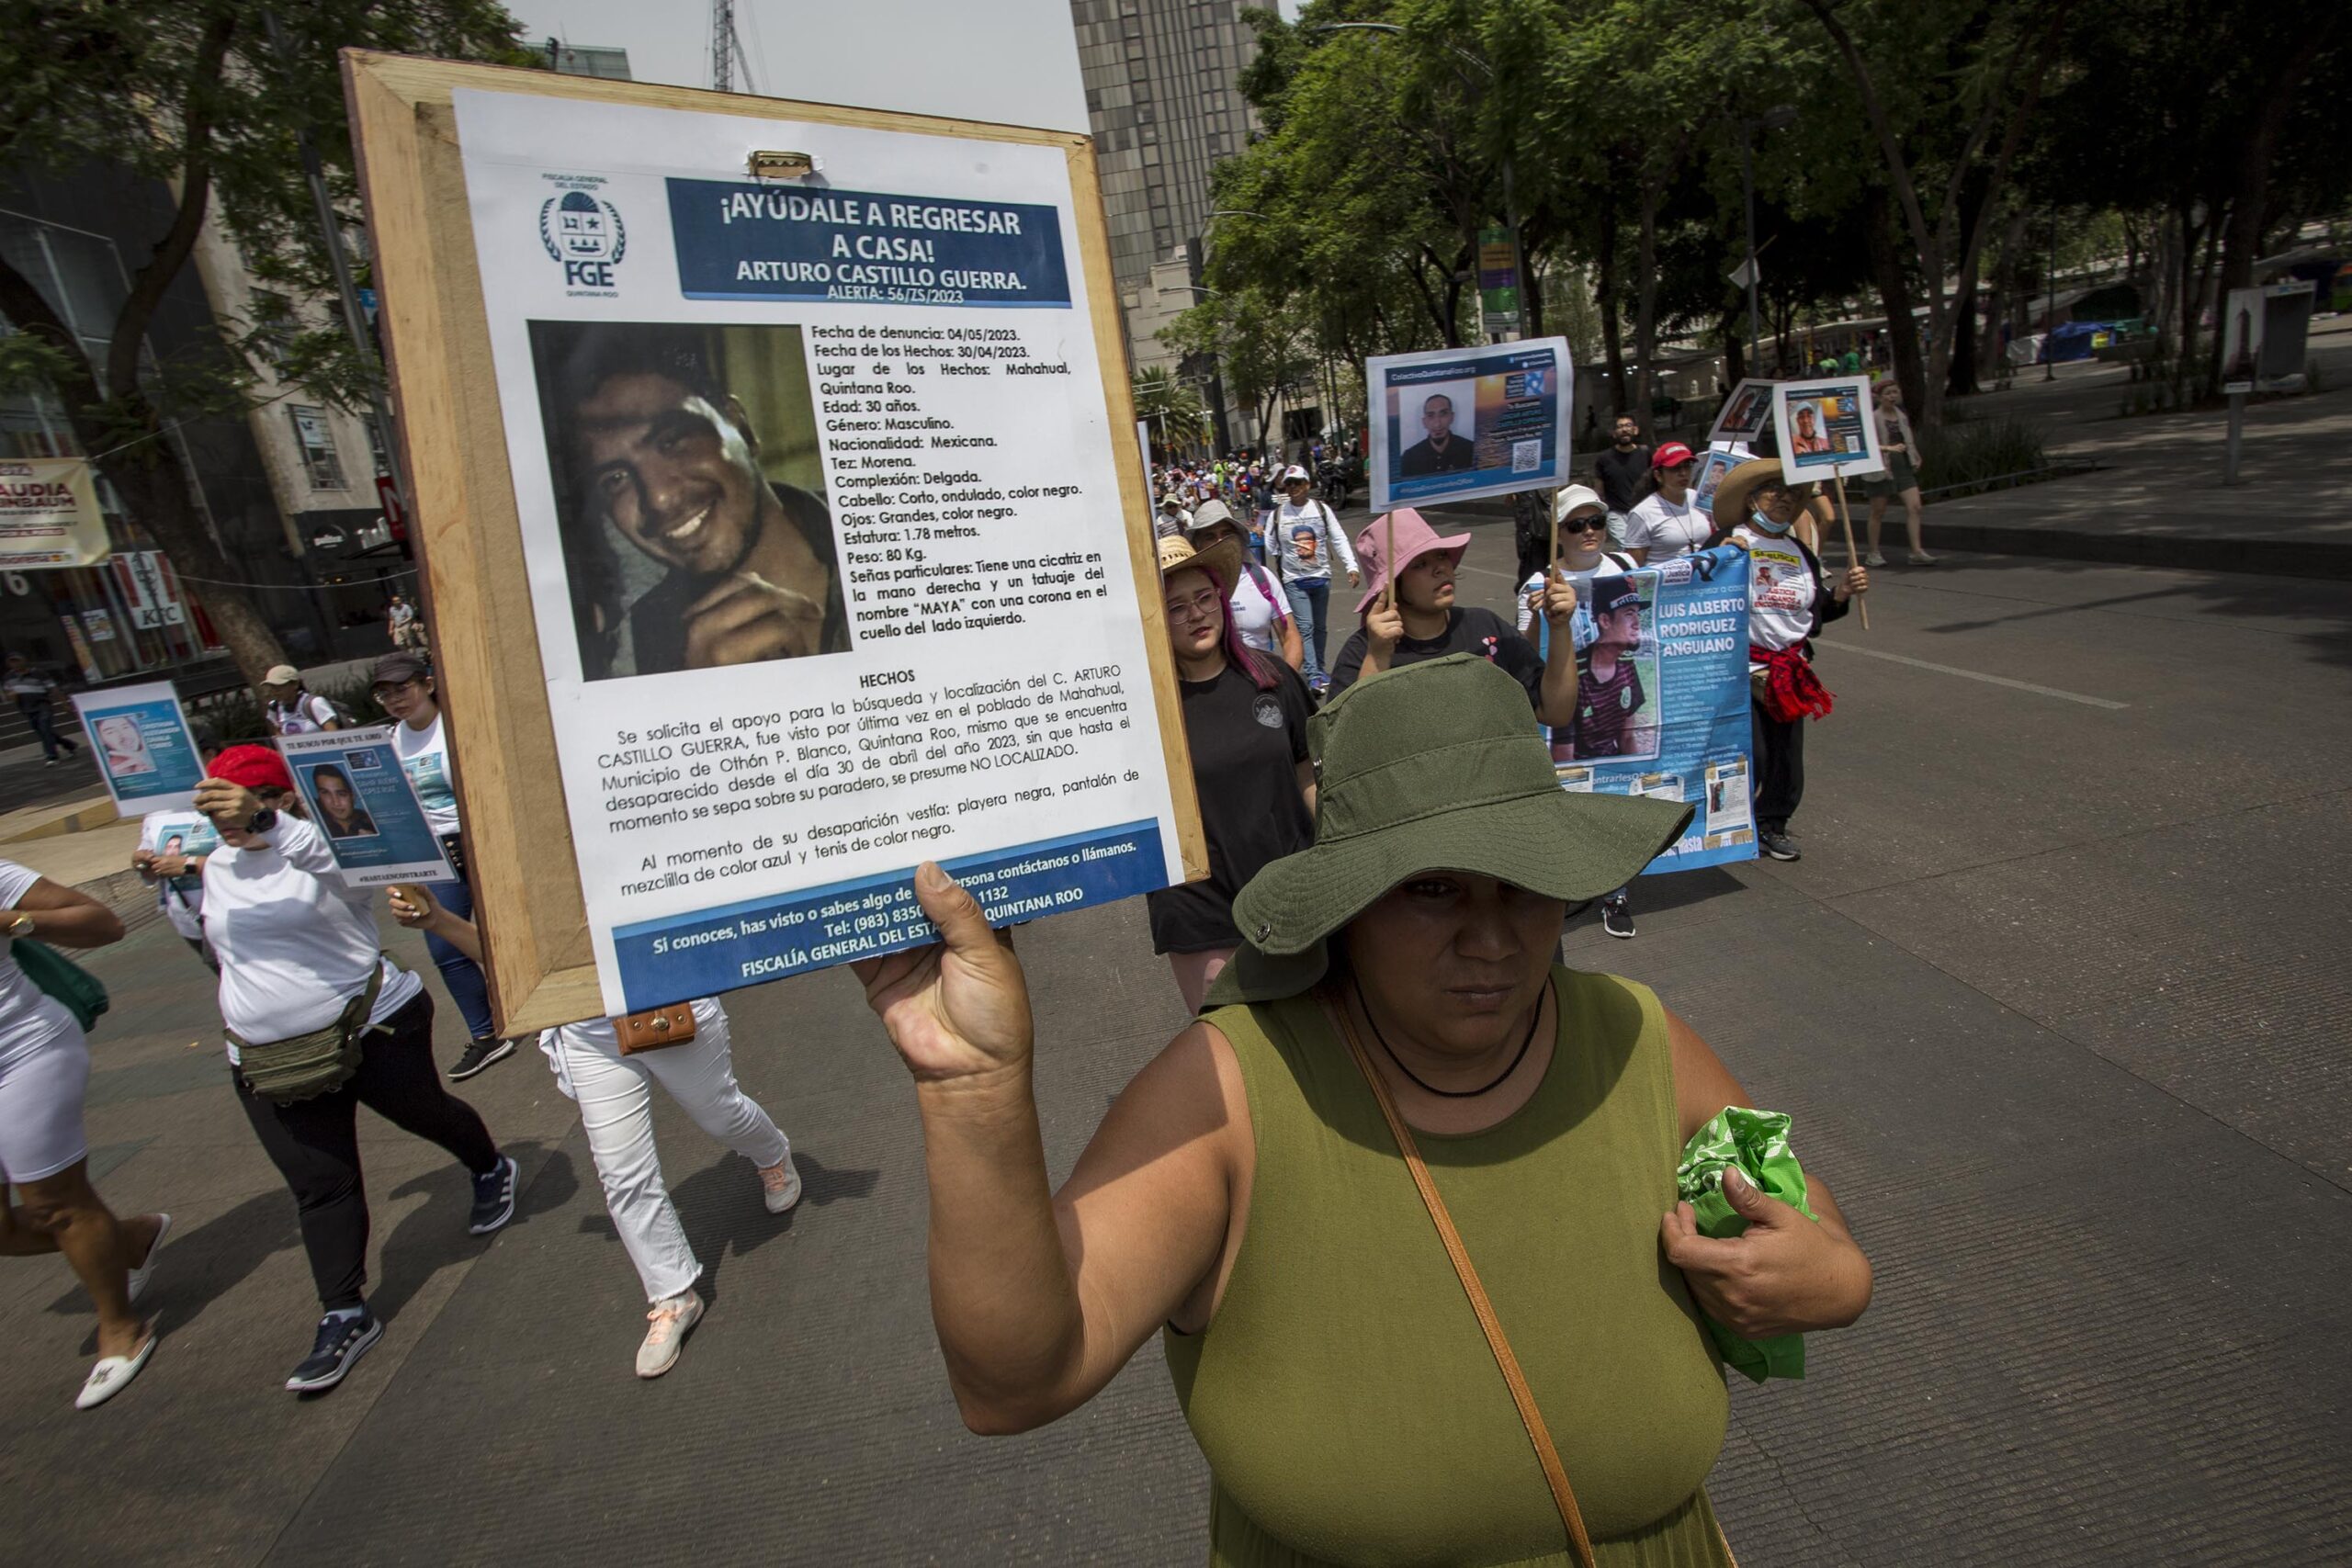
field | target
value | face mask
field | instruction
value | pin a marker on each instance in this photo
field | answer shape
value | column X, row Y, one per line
column 1762, row 523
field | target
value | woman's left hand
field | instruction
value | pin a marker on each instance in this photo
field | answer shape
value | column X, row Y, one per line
column 1786, row 1275
column 1857, row 580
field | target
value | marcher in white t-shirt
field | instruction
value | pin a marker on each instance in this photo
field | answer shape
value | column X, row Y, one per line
column 1260, row 609
column 1304, row 538
column 404, row 688
column 1787, row 604
column 297, row 947
column 291, row 709
column 1668, row 522
column 170, row 859
column 615, row 1092
column 44, row 1154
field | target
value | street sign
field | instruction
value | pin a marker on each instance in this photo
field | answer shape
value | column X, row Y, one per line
column 1499, row 281
column 154, row 604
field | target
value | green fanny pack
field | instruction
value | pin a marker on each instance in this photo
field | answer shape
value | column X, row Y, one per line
column 304, row 1067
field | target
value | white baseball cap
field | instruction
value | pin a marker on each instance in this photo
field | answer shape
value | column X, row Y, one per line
column 1570, row 498
column 1296, row 472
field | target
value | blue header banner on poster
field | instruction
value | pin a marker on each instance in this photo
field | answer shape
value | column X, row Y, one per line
column 710, row 951
column 361, row 799
column 1457, row 424
column 1662, row 699
column 741, row 241
column 142, row 742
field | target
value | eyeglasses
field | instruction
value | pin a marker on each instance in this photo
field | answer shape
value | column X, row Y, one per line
column 1202, row 606
column 1596, row 522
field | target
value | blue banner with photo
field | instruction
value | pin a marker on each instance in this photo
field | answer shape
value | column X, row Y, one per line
column 737, row 240
column 142, row 745
column 359, row 797
column 709, row 951
column 1662, row 699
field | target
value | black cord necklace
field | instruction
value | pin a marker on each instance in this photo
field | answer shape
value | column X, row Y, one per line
column 1451, row 1093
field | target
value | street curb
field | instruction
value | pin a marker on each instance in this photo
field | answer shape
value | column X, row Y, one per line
column 2269, row 558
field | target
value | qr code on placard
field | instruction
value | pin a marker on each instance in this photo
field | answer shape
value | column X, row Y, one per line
column 1526, row 457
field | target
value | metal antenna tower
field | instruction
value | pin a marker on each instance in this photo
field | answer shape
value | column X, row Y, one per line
column 724, row 50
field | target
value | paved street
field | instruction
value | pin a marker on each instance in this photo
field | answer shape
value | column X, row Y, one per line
column 2057, row 999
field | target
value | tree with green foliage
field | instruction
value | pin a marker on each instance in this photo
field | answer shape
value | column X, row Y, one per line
column 193, row 93
column 1172, row 409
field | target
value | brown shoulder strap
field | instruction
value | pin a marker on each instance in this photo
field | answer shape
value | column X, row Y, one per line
column 1554, row 1473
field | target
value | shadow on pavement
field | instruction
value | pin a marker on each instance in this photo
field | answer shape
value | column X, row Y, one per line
column 435, row 1236
column 199, row 1267
column 721, row 1208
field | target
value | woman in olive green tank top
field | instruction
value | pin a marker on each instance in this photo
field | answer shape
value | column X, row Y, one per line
column 1246, row 1195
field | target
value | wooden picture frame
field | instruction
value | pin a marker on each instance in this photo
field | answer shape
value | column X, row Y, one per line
column 450, row 428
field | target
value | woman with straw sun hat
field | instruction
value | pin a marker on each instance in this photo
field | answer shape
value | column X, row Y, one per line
column 1245, row 721
column 1369, row 1381
column 1787, row 604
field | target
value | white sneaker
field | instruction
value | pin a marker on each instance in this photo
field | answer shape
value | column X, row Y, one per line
column 136, row 1284
column 672, row 1321
column 782, row 1184
column 1873, row 559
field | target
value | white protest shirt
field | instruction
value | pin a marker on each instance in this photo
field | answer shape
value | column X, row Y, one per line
column 180, row 897
column 1258, row 608
column 1781, row 589
column 30, row 1018
column 1307, row 538
column 424, row 757
column 309, row 715
column 295, row 944
column 1667, row 528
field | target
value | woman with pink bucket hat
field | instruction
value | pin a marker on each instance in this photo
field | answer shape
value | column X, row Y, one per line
column 1420, row 620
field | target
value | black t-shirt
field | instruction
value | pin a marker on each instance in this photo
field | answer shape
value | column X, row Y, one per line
column 1622, row 476
column 1423, row 458
column 1481, row 632
column 1246, row 745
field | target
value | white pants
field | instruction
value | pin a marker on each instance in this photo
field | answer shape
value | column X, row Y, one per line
column 616, row 1100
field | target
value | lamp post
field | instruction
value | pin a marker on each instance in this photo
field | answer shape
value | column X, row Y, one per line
column 2050, row 317
column 1511, row 200
column 1773, row 118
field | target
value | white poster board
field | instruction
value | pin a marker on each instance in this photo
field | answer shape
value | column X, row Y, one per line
column 821, row 514
column 1826, row 428
column 1457, row 424
column 1746, row 415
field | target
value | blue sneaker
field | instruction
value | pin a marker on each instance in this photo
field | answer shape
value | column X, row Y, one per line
column 341, row 1341
column 493, row 1197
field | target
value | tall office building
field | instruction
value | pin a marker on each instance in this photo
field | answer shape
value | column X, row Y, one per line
column 587, row 60
column 1161, row 91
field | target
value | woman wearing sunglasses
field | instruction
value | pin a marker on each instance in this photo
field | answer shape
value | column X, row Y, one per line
column 1584, row 554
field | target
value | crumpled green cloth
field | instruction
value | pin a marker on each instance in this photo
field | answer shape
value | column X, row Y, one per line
column 1757, row 1142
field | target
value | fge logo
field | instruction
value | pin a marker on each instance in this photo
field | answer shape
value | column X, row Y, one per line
column 585, row 235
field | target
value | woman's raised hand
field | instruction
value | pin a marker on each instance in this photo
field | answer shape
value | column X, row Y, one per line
column 959, row 1008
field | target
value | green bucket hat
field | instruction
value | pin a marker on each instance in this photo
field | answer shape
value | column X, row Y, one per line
column 1433, row 767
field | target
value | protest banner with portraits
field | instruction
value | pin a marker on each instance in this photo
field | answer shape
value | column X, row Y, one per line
column 1454, row 424
column 783, row 525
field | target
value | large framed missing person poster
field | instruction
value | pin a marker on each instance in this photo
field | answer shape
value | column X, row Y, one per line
column 1457, row 424
column 780, row 533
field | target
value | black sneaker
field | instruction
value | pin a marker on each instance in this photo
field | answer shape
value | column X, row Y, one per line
column 1616, row 918
column 479, row 1054
column 342, row 1340
column 494, row 1198
column 1778, row 845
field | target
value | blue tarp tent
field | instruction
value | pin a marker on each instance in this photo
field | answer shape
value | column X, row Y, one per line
column 2074, row 340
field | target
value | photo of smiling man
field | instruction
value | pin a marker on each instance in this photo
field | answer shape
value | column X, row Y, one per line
column 687, row 471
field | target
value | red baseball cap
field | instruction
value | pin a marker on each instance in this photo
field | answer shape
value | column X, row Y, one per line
column 255, row 767
column 1672, row 453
